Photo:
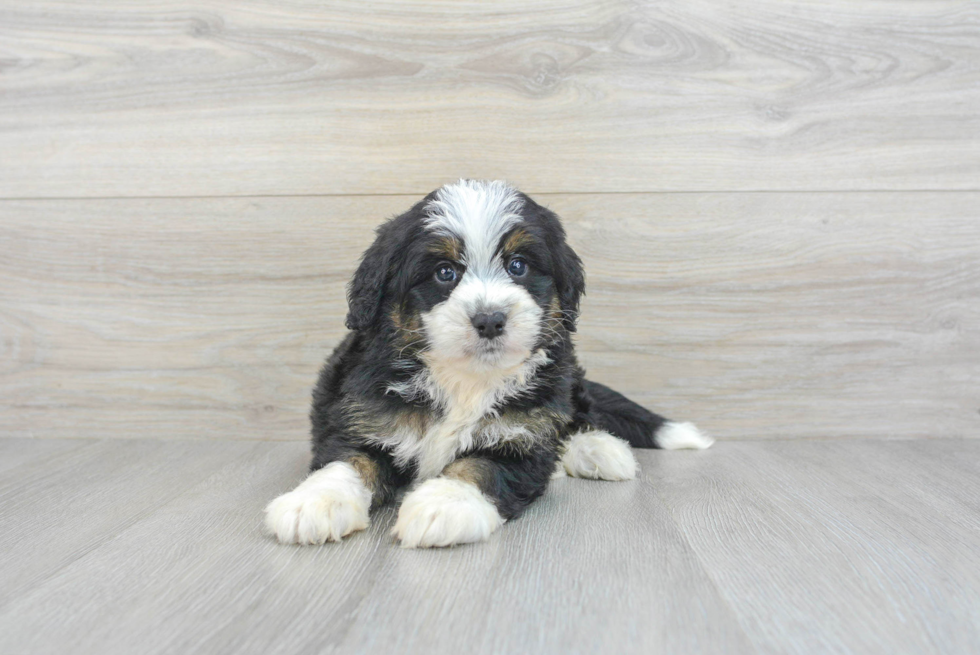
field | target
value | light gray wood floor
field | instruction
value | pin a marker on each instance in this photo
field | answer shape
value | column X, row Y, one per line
column 863, row 546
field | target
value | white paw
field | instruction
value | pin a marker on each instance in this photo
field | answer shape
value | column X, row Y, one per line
column 674, row 436
column 443, row 512
column 600, row 456
column 327, row 506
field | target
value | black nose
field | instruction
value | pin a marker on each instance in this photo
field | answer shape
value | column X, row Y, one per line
column 489, row 326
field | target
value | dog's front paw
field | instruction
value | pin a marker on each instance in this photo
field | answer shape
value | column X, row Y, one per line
column 444, row 512
column 327, row 506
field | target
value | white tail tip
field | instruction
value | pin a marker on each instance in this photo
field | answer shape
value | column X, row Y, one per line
column 675, row 436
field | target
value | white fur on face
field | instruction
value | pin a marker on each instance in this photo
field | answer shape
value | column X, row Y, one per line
column 452, row 337
column 480, row 214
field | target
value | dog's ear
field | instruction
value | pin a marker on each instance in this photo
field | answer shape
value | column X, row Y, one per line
column 569, row 282
column 366, row 290
column 566, row 267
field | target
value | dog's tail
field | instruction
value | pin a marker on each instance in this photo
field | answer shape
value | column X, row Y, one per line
column 617, row 414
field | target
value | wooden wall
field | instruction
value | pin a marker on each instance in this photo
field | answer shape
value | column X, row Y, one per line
column 778, row 203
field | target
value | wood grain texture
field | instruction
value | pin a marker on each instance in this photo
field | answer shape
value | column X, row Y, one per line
column 756, row 315
column 101, row 98
column 62, row 506
column 590, row 568
column 838, row 546
column 17, row 453
column 857, row 546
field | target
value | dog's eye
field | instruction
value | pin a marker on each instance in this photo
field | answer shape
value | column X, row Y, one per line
column 446, row 273
column 517, row 267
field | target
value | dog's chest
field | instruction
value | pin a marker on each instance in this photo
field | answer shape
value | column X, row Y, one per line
column 438, row 446
column 467, row 418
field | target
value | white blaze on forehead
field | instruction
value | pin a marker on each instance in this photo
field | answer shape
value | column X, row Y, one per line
column 478, row 212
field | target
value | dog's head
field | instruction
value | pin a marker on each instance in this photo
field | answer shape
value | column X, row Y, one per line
column 477, row 274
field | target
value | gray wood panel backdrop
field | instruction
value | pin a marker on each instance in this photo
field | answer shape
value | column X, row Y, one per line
column 777, row 202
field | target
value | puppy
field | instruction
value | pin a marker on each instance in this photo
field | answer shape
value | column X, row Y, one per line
column 459, row 378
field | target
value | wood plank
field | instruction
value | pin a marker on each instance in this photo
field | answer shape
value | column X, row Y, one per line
column 592, row 567
column 58, row 509
column 261, row 97
column 593, row 564
column 18, row 453
column 858, row 546
column 197, row 565
column 837, row 546
column 757, row 315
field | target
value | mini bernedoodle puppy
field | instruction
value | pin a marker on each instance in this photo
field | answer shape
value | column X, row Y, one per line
column 459, row 378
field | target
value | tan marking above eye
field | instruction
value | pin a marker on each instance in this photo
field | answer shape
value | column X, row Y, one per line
column 448, row 247
column 516, row 240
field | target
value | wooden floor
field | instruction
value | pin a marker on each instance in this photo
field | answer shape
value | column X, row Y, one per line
column 796, row 546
